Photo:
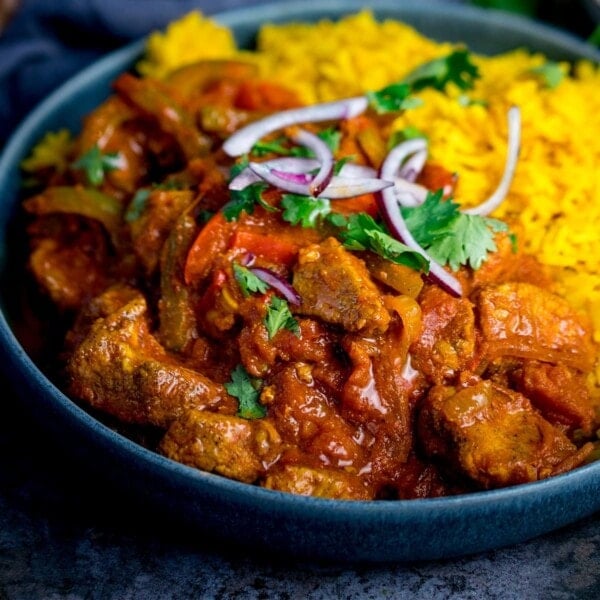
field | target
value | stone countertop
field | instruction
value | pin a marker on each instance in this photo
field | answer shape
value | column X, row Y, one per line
column 63, row 535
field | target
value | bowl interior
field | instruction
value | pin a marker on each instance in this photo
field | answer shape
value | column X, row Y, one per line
column 399, row 530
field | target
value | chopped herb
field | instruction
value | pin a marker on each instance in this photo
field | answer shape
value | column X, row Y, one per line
column 302, row 210
column 331, row 136
column 279, row 317
column 336, row 219
column 277, row 146
column 238, row 167
column 449, row 235
column 246, row 390
column 248, row 281
column 524, row 7
column 392, row 98
column 362, row 232
column 407, row 133
column 455, row 68
column 550, row 74
column 96, row 164
column 245, row 200
column 465, row 100
column 339, row 164
column 137, row 205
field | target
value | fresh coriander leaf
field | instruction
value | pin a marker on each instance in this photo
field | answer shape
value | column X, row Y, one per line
column 465, row 100
column 332, row 137
column 514, row 242
column 137, row 205
column 392, row 98
column 277, row 146
column 456, row 68
column 279, row 317
column 449, row 235
column 407, row 133
column 550, row 74
column 96, row 164
column 245, row 200
column 339, row 164
column 362, row 232
column 428, row 219
column 249, row 283
column 238, row 167
column 246, row 390
column 336, row 219
column 302, row 210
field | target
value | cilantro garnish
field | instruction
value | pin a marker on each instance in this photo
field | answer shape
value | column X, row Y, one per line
column 455, row 68
column 392, row 98
column 362, row 232
column 550, row 74
column 409, row 132
column 331, row 136
column 279, row 317
column 96, row 164
column 249, row 283
column 246, row 390
column 302, row 210
column 452, row 237
column 137, row 205
column 245, row 200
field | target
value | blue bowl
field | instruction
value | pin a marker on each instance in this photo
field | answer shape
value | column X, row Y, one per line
column 267, row 520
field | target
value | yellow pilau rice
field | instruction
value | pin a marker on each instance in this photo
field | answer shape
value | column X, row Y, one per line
column 555, row 196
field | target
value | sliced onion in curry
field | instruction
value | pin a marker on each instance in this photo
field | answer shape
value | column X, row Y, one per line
column 512, row 156
column 278, row 283
column 298, row 165
column 338, row 188
column 323, row 154
column 243, row 139
column 389, row 208
column 413, row 165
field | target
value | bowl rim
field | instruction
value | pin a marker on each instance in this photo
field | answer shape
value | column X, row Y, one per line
column 20, row 367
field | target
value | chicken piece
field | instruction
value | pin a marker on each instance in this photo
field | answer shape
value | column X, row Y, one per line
column 322, row 483
column 335, row 286
column 121, row 369
column 446, row 344
column 224, row 444
column 558, row 392
column 523, row 320
column 493, row 436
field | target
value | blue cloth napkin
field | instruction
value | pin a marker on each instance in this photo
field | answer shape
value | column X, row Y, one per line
column 47, row 41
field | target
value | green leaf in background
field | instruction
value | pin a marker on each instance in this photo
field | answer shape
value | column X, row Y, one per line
column 594, row 39
column 524, row 7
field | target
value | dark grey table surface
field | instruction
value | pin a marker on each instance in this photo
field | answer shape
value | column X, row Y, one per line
column 64, row 534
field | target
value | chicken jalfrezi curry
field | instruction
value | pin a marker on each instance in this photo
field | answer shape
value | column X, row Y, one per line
column 263, row 343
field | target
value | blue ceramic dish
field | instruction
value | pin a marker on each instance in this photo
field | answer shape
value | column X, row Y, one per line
column 246, row 515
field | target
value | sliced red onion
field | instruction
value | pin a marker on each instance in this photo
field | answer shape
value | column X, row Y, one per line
column 295, row 165
column 241, row 141
column 323, row 154
column 278, row 283
column 413, row 165
column 354, row 170
column 512, row 156
column 338, row 187
column 289, row 164
column 408, row 193
column 392, row 215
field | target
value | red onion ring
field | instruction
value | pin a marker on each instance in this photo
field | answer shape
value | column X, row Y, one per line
column 390, row 211
column 324, row 155
column 278, row 283
column 243, row 139
column 414, row 164
column 338, row 187
column 512, row 156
